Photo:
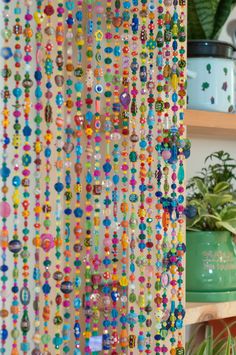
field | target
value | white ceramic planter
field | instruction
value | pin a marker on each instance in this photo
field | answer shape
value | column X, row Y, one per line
column 211, row 84
column 211, row 75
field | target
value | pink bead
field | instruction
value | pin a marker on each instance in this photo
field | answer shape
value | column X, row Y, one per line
column 99, row 9
column 166, row 154
column 66, row 303
column 67, row 270
column 26, row 172
column 89, row 208
column 107, row 242
column 5, row 209
column 38, row 106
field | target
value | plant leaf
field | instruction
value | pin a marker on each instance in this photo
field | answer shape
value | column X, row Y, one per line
column 195, row 30
column 229, row 212
column 230, row 225
column 190, row 343
column 202, row 347
column 206, row 11
column 222, row 13
column 228, row 346
column 221, row 186
column 218, row 347
column 218, row 200
column 209, row 338
column 201, row 186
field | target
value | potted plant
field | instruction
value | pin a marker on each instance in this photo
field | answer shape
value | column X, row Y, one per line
column 211, row 230
column 222, row 344
column 210, row 61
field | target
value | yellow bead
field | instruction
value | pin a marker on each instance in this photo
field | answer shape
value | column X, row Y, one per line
column 124, row 281
column 38, row 17
column 174, row 81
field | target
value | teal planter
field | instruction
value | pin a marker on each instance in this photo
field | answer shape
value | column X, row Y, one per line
column 210, row 267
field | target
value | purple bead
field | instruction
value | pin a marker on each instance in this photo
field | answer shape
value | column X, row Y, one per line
column 125, row 98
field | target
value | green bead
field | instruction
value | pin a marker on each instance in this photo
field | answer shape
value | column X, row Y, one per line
column 45, row 338
column 132, row 297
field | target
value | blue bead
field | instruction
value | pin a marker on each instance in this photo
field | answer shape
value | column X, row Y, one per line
column 6, row 140
column 89, row 116
column 123, row 319
column 58, row 186
column 4, row 334
column 27, row 131
column 68, row 211
column 38, row 75
column 70, row 21
column 142, row 245
column 79, row 86
column 4, row 268
column 114, row 313
column 15, row 289
column 108, row 50
column 107, row 167
column 68, row 179
column 59, row 99
column 78, row 212
column 16, row 181
column 89, row 178
column 70, row 5
column 5, row 172
column 38, row 92
column 17, row 92
column 106, row 323
column 48, row 85
column 106, row 222
column 117, row 51
column 47, row 152
column 79, row 15
column 25, row 347
column 46, row 289
column 126, row 4
column 77, row 303
column 6, row 53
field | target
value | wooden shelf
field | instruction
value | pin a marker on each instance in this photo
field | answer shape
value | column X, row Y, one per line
column 210, row 124
column 202, row 312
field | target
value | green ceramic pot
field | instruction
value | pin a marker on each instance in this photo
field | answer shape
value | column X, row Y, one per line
column 210, row 267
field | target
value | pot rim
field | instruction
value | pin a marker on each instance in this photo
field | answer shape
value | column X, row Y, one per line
column 198, row 48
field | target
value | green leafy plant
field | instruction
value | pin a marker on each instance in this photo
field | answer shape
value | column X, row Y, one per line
column 207, row 17
column 211, row 199
column 223, row 344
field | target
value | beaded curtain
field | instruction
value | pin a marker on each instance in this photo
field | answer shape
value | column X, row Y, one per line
column 92, row 176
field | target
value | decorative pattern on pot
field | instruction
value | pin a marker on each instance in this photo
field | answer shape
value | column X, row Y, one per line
column 210, row 76
column 211, row 84
column 211, row 272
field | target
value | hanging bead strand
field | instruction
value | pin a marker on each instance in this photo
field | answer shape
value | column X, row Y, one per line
column 15, row 244
column 125, row 100
column 38, row 18
column 67, row 284
column 149, row 269
column 88, row 177
column 59, row 186
column 78, row 212
column 133, row 157
column 26, row 177
column 47, row 239
column 5, row 208
column 97, row 186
